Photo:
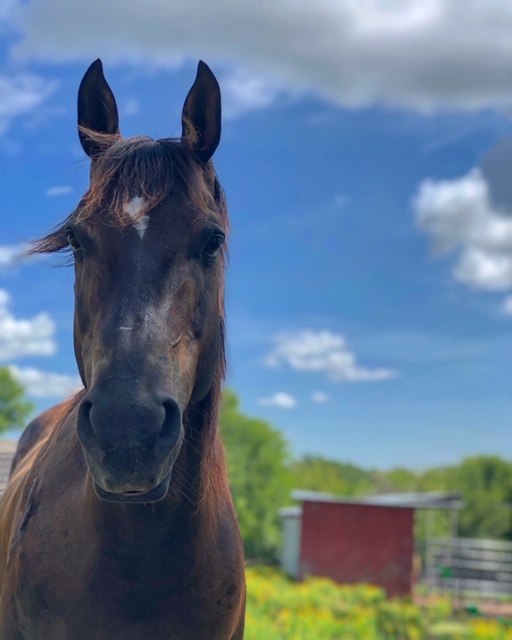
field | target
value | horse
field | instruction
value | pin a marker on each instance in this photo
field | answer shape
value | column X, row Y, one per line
column 117, row 522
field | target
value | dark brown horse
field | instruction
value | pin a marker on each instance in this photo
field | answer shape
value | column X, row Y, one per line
column 117, row 523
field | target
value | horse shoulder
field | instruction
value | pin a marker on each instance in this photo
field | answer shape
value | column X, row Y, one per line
column 15, row 503
column 40, row 428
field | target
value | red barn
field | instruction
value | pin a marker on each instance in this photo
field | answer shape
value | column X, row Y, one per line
column 355, row 541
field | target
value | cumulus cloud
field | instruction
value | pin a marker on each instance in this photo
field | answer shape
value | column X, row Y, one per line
column 322, row 352
column 320, row 397
column 428, row 55
column 43, row 384
column 244, row 91
column 280, row 400
column 21, row 94
column 12, row 255
column 460, row 219
column 58, row 191
column 24, row 337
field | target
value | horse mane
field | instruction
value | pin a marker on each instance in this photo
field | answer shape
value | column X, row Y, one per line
column 140, row 166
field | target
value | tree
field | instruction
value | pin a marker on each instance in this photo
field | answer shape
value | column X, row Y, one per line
column 486, row 484
column 401, row 480
column 318, row 474
column 259, row 477
column 14, row 409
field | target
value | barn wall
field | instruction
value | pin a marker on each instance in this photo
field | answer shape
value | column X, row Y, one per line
column 358, row 543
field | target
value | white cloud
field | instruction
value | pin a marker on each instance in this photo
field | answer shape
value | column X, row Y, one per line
column 320, row 397
column 323, row 352
column 22, row 94
column 280, row 399
column 244, row 91
column 24, row 337
column 58, row 191
column 484, row 270
column 43, row 384
column 428, row 55
column 507, row 306
column 11, row 255
column 458, row 216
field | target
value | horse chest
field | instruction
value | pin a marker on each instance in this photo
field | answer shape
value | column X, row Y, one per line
column 130, row 614
column 127, row 597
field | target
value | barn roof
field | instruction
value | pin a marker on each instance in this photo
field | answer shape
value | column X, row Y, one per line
column 424, row 500
column 7, row 451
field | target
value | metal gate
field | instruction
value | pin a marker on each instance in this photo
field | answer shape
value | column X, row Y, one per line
column 462, row 565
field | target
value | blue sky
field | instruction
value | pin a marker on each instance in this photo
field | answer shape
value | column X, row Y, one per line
column 364, row 154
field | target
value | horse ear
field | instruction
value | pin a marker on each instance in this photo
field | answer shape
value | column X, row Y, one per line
column 201, row 116
column 97, row 109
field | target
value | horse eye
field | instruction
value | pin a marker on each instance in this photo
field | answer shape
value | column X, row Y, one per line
column 213, row 246
column 73, row 241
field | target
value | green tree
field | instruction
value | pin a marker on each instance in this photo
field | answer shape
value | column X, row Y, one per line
column 486, row 484
column 260, row 480
column 14, row 409
column 317, row 474
column 402, row 480
column 437, row 479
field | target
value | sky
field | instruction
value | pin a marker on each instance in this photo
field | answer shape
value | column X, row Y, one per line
column 366, row 155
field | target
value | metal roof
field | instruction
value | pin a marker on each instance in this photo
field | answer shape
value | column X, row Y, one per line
column 290, row 512
column 424, row 500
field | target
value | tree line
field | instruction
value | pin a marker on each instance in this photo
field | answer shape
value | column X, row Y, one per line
column 263, row 473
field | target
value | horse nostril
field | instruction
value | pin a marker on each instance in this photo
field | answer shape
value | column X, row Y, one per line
column 171, row 426
column 85, row 428
column 84, row 416
column 85, row 410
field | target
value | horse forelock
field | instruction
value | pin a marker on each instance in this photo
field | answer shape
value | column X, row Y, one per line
column 140, row 167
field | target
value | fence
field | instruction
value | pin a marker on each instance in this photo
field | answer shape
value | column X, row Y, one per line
column 462, row 565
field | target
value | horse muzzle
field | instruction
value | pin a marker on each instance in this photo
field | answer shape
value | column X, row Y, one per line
column 130, row 440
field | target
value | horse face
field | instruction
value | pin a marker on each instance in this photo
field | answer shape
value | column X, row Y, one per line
column 147, row 334
column 147, row 295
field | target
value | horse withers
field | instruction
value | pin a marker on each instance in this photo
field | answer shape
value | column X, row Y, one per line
column 117, row 522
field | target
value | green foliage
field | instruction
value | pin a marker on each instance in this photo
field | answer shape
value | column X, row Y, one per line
column 401, row 479
column 316, row 474
column 14, row 409
column 436, row 479
column 260, row 481
column 280, row 609
column 486, row 483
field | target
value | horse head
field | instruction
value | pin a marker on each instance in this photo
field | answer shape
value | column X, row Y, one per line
column 147, row 240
